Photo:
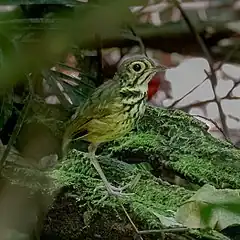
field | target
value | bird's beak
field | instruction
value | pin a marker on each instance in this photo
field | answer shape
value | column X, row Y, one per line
column 160, row 68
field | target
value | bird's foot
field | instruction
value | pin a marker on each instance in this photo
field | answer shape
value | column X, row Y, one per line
column 118, row 191
column 114, row 191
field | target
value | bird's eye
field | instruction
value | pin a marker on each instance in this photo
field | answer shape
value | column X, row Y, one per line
column 137, row 67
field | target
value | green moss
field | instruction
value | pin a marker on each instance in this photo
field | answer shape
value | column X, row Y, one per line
column 151, row 204
column 149, row 200
column 171, row 137
column 184, row 144
column 152, row 200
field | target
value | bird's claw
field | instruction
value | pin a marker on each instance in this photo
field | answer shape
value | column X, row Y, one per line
column 118, row 191
column 115, row 191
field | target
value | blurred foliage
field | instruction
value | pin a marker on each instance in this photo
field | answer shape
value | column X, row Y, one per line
column 48, row 38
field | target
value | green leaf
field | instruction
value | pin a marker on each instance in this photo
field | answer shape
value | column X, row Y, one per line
column 211, row 208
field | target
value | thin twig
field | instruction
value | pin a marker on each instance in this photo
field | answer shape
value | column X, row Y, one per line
column 146, row 232
column 181, row 98
column 235, row 84
column 208, row 56
column 202, row 103
column 131, row 221
column 129, row 218
column 215, row 124
column 165, row 230
column 234, row 118
column 227, row 58
column 139, row 40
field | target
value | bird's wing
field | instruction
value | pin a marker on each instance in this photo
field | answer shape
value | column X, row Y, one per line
column 104, row 101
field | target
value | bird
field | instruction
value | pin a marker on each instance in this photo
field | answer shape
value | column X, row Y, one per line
column 113, row 110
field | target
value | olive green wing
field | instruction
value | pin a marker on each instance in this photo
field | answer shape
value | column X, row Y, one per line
column 104, row 101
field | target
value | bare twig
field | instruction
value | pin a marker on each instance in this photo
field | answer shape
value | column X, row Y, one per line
column 196, row 104
column 215, row 124
column 185, row 95
column 130, row 220
column 213, row 76
column 202, row 103
column 165, row 230
column 227, row 96
column 233, row 117
column 226, row 59
column 137, row 39
column 156, row 231
column 229, row 93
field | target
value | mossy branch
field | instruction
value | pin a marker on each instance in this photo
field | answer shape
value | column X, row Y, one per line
column 179, row 141
column 163, row 136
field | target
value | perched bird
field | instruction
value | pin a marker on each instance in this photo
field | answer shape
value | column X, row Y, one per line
column 113, row 109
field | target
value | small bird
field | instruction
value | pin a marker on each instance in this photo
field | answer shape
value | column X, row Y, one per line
column 113, row 109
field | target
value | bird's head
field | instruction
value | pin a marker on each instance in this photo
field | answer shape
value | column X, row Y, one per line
column 136, row 72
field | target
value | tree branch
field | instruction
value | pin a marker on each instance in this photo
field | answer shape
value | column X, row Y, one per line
column 212, row 77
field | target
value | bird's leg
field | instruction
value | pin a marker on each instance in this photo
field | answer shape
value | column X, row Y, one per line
column 111, row 189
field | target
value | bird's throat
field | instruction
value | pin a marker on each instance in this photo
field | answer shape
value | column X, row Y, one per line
column 134, row 102
column 132, row 96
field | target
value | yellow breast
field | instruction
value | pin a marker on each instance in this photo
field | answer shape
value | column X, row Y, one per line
column 109, row 128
